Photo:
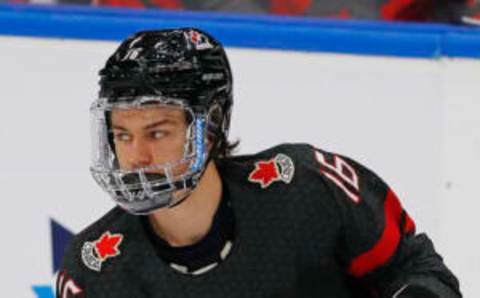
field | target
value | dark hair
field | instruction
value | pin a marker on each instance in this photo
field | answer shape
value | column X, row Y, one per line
column 226, row 148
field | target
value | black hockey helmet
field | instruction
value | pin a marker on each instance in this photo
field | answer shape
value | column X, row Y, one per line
column 184, row 63
column 184, row 67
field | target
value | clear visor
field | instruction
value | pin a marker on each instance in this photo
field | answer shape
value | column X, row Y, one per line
column 147, row 153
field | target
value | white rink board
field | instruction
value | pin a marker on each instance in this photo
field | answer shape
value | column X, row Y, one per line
column 413, row 121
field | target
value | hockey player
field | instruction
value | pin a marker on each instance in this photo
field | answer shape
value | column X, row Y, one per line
column 193, row 221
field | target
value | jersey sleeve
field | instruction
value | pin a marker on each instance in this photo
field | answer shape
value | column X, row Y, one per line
column 379, row 247
column 69, row 282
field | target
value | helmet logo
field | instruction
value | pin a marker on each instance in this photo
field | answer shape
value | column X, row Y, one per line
column 280, row 168
column 199, row 41
column 96, row 252
column 132, row 54
column 133, row 51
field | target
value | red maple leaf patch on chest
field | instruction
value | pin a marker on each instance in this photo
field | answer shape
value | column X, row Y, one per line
column 107, row 246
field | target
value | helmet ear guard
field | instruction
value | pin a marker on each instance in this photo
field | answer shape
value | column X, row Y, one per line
column 181, row 68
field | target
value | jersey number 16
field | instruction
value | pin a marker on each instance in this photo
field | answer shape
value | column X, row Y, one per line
column 342, row 174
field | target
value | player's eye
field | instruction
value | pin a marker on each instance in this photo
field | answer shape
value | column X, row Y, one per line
column 157, row 134
column 122, row 137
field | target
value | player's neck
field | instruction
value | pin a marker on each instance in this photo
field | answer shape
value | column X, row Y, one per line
column 190, row 221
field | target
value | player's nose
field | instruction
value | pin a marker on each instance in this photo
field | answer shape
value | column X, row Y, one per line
column 141, row 155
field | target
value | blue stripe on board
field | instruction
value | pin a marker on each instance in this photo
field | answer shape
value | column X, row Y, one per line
column 248, row 31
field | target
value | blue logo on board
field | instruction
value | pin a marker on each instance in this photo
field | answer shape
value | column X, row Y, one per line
column 60, row 237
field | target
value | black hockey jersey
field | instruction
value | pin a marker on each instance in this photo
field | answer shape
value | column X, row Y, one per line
column 308, row 223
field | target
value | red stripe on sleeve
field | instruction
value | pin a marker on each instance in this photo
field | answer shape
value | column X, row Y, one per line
column 384, row 249
column 409, row 226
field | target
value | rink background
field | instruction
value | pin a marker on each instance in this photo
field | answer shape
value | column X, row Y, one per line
column 414, row 121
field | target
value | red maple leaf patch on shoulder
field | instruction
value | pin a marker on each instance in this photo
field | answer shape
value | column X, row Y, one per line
column 265, row 173
column 107, row 246
column 279, row 168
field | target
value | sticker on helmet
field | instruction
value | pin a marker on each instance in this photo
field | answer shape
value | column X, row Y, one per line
column 199, row 40
column 199, row 144
column 96, row 252
column 280, row 168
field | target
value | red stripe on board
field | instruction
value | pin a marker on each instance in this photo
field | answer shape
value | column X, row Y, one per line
column 165, row 4
column 168, row 4
column 384, row 249
column 408, row 10
column 289, row 7
column 343, row 14
column 390, row 10
column 120, row 3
